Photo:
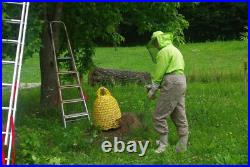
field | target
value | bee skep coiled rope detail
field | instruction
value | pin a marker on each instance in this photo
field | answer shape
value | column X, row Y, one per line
column 106, row 112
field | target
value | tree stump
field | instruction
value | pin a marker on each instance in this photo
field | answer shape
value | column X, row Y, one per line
column 104, row 76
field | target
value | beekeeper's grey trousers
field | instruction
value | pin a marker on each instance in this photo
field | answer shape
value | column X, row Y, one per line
column 171, row 103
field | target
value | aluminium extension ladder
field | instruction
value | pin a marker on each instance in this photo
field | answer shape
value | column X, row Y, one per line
column 8, row 127
column 69, row 59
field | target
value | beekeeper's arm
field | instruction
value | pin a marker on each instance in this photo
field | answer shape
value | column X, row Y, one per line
column 159, row 72
column 160, row 68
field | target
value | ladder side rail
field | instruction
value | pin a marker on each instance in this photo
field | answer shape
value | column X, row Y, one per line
column 68, row 42
column 78, row 80
column 74, row 65
column 71, row 52
column 13, row 87
column 21, row 57
column 58, row 79
column 24, row 24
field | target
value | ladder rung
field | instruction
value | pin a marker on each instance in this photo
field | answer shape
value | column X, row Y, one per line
column 69, row 86
column 82, row 114
column 4, row 133
column 10, row 41
column 64, row 58
column 72, row 101
column 67, row 72
column 8, row 62
column 5, row 108
column 16, row 3
column 6, row 84
column 13, row 21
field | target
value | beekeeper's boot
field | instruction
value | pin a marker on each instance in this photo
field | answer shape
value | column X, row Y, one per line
column 162, row 144
column 181, row 146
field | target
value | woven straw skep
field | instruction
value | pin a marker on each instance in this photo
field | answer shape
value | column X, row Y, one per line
column 106, row 112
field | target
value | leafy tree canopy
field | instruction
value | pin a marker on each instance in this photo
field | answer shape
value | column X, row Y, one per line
column 88, row 23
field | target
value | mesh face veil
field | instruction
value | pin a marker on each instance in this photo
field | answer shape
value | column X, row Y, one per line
column 152, row 49
column 158, row 41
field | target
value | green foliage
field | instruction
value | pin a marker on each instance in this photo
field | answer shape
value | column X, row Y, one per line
column 34, row 30
column 90, row 23
column 87, row 23
column 84, row 59
column 101, row 21
column 31, row 148
column 150, row 17
column 214, row 21
column 4, row 14
column 244, row 35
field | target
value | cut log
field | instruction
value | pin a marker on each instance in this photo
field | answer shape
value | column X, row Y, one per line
column 102, row 76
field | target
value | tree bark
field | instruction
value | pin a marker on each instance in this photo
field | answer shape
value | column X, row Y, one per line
column 49, row 88
column 103, row 76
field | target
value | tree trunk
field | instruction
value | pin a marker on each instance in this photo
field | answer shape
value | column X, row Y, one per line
column 110, row 76
column 81, row 78
column 49, row 89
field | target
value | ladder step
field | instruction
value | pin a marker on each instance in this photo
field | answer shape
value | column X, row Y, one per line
column 69, row 86
column 67, row 72
column 70, row 116
column 72, row 100
column 16, row 3
column 8, row 62
column 4, row 133
column 6, row 108
column 61, row 59
column 71, row 72
column 6, row 85
column 13, row 21
column 10, row 41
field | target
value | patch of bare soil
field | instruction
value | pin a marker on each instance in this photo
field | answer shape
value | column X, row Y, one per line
column 128, row 122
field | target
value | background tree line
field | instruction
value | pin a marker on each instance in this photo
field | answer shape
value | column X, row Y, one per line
column 207, row 22
column 215, row 21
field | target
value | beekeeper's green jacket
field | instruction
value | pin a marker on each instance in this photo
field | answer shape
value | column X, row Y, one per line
column 167, row 57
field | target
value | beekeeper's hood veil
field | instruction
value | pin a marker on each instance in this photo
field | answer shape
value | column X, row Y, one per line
column 158, row 41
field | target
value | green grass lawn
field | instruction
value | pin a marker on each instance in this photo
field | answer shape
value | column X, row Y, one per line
column 200, row 57
column 204, row 62
column 216, row 110
column 207, row 60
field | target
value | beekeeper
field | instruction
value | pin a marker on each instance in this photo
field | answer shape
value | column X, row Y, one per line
column 170, row 79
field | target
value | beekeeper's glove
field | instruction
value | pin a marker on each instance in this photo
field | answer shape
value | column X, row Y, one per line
column 152, row 90
column 148, row 87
